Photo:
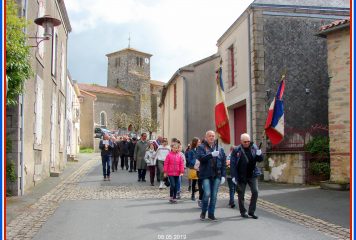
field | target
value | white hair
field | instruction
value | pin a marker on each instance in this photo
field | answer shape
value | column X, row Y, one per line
column 209, row 131
column 245, row 136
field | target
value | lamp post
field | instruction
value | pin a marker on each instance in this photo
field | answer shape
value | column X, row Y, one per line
column 48, row 23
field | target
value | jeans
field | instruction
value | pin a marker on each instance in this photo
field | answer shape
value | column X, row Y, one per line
column 211, row 188
column 174, row 186
column 158, row 172
column 232, row 190
column 132, row 164
column 241, row 188
column 105, row 161
column 179, row 183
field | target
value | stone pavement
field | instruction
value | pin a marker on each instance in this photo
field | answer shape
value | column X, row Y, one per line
column 83, row 206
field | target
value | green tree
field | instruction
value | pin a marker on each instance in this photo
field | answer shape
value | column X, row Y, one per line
column 18, row 67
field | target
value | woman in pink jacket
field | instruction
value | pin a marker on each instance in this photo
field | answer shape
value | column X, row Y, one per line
column 173, row 168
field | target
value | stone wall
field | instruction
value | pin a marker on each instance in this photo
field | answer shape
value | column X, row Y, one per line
column 287, row 167
column 339, row 104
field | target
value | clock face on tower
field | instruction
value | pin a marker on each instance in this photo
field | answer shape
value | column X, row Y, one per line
column 147, row 60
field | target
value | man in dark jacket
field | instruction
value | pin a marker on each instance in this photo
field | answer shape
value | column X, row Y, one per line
column 132, row 144
column 115, row 154
column 124, row 153
column 106, row 146
column 244, row 171
column 212, row 172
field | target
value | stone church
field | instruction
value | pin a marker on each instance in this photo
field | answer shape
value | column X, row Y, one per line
column 129, row 90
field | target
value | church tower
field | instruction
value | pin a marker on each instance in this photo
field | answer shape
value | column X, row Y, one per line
column 129, row 69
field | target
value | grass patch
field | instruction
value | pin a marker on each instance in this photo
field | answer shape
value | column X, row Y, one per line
column 86, row 150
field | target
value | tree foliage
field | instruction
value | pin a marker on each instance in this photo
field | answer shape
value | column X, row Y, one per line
column 18, row 66
column 150, row 125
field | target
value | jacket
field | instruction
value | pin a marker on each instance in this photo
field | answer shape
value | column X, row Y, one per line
column 150, row 158
column 124, row 148
column 236, row 155
column 131, row 149
column 173, row 164
column 139, row 154
column 192, row 157
column 162, row 152
column 208, row 162
column 108, row 151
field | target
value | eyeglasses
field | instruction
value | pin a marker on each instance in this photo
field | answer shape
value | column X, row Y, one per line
column 246, row 141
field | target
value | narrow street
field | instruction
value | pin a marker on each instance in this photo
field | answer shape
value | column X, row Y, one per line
column 83, row 206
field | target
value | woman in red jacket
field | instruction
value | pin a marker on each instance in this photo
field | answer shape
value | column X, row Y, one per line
column 173, row 168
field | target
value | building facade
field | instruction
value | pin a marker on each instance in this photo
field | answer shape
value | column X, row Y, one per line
column 37, row 126
column 188, row 101
column 72, row 118
column 266, row 41
column 130, row 93
column 338, row 46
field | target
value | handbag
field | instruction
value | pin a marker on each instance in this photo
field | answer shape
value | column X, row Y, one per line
column 166, row 182
column 192, row 174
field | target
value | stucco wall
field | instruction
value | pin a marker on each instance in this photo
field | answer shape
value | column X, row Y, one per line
column 87, row 121
column 286, row 167
column 173, row 118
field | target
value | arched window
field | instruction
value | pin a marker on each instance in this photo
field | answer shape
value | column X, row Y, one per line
column 103, row 119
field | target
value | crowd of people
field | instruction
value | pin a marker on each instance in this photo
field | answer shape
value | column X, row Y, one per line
column 204, row 162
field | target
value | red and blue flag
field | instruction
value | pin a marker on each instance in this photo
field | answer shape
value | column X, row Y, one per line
column 274, row 126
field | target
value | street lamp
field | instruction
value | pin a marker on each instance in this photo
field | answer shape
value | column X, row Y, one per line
column 48, row 23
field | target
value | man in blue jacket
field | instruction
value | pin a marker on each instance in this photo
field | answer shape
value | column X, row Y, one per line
column 212, row 172
column 244, row 171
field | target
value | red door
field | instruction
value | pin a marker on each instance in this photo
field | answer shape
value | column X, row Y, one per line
column 240, row 125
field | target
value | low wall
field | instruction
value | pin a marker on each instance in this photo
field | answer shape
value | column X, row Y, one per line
column 287, row 167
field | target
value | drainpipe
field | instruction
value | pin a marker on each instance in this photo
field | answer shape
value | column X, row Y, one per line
column 22, row 124
column 185, row 106
column 249, row 73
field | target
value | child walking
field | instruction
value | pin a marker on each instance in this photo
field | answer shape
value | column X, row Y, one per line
column 174, row 168
column 151, row 161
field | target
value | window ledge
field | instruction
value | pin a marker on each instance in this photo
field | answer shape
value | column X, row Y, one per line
column 231, row 89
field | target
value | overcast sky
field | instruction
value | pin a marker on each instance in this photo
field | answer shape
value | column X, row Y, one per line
column 175, row 32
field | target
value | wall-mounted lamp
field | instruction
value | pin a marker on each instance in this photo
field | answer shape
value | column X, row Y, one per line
column 268, row 94
column 48, row 23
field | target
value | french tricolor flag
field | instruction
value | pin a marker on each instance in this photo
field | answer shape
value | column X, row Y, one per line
column 274, row 126
column 221, row 116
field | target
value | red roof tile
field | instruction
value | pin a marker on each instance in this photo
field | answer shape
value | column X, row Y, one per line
column 101, row 89
column 334, row 24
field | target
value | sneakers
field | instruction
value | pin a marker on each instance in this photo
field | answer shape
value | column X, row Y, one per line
column 202, row 216
column 105, row 178
column 232, row 205
column 244, row 215
column 108, row 178
column 212, row 217
column 178, row 196
column 199, row 203
column 161, row 185
column 174, row 200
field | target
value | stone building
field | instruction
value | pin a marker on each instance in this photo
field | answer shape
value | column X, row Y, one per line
column 188, row 100
column 129, row 90
column 338, row 46
column 268, row 39
column 37, row 126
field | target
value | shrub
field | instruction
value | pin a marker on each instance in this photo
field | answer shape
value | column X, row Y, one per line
column 318, row 146
column 320, row 168
column 86, row 150
column 11, row 172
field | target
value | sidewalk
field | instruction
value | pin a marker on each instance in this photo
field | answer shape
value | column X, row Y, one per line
column 328, row 205
column 17, row 204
